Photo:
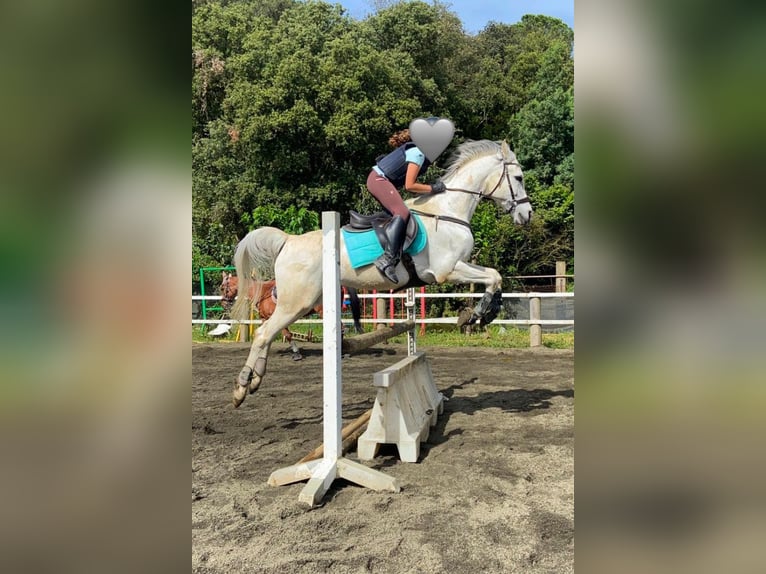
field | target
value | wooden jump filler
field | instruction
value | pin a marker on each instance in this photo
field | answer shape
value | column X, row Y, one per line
column 406, row 406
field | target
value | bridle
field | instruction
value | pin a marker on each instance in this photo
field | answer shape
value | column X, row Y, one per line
column 511, row 204
column 505, row 175
column 226, row 292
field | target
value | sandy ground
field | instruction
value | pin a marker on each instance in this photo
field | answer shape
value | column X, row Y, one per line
column 493, row 492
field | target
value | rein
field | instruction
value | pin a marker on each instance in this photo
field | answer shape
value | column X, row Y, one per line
column 505, row 175
column 263, row 298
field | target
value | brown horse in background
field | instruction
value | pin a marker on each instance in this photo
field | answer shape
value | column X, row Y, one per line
column 265, row 302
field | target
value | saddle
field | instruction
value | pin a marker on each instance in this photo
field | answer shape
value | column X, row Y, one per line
column 378, row 222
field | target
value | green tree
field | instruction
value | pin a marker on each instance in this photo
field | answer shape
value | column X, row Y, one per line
column 497, row 72
column 295, row 220
column 292, row 101
column 543, row 132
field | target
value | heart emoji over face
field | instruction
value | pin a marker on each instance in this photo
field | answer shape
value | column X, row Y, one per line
column 432, row 135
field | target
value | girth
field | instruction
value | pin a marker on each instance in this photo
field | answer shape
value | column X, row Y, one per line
column 442, row 218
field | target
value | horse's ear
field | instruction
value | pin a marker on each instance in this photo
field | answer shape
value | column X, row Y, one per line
column 223, row 275
column 506, row 149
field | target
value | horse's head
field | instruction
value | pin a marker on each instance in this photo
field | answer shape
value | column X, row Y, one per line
column 486, row 170
column 228, row 289
column 508, row 188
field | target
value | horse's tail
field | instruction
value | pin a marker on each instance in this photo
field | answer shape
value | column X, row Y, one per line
column 254, row 260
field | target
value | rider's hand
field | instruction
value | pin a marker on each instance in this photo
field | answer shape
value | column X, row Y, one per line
column 438, row 187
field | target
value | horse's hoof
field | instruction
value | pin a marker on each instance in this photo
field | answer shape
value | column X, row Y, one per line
column 241, row 386
column 245, row 376
column 465, row 317
column 297, row 357
column 239, row 394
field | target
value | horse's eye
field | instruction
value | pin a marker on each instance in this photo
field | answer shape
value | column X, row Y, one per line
column 519, row 178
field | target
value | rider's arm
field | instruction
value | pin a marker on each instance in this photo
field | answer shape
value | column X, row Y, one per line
column 410, row 180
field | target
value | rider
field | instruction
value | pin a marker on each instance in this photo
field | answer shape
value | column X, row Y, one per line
column 399, row 168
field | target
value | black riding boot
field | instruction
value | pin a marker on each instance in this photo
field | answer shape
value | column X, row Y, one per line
column 396, row 231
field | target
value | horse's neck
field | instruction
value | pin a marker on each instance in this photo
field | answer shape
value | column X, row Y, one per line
column 458, row 204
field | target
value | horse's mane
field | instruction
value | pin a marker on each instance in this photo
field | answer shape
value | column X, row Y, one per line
column 469, row 150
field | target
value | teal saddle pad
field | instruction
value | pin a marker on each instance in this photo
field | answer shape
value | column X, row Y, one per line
column 363, row 247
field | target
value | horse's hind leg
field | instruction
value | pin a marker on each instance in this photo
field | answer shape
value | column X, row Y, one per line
column 288, row 335
column 255, row 367
column 251, row 375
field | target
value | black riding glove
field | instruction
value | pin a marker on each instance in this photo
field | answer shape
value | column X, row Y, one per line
column 438, row 187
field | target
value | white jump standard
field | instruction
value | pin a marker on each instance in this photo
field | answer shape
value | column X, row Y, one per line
column 321, row 473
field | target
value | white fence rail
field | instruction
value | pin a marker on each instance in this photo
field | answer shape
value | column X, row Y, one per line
column 535, row 322
column 431, row 296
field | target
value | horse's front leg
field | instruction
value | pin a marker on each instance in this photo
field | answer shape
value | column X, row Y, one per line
column 490, row 304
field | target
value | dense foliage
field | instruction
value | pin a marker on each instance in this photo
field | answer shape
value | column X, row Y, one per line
column 292, row 101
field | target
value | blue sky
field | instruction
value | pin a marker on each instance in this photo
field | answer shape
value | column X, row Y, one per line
column 475, row 14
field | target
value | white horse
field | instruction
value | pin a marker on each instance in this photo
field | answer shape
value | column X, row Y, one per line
column 480, row 169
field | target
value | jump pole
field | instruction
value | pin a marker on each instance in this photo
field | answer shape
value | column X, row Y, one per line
column 321, row 473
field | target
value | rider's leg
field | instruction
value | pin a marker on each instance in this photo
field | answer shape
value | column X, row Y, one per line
column 387, row 195
column 385, row 192
column 386, row 263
